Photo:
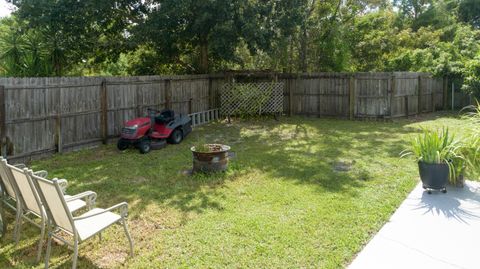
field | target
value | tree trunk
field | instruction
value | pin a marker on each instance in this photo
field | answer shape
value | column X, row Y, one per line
column 204, row 65
column 291, row 62
column 303, row 65
column 303, row 50
column 58, row 69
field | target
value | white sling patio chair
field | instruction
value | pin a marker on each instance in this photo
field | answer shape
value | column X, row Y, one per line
column 82, row 227
column 3, row 223
column 31, row 206
column 9, row 192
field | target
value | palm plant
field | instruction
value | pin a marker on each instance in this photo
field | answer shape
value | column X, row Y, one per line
column 36, row 56
column 24, row 52
column 470, row 150
column 11, row 53
column 473, row 115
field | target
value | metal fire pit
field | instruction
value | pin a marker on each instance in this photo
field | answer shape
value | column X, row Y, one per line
column 208, row 162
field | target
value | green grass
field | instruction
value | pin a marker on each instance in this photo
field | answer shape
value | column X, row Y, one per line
column 280, row 205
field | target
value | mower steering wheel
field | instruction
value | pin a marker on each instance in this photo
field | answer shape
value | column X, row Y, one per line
column 152, row 112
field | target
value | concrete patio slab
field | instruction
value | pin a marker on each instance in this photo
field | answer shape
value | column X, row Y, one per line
column 428, row 231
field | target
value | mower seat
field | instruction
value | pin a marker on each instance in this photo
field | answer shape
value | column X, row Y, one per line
column 166, row 116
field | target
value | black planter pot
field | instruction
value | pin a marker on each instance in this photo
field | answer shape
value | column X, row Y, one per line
column 434, row 176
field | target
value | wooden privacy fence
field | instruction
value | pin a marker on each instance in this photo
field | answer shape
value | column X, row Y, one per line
column 45, row 115
column 364, row 95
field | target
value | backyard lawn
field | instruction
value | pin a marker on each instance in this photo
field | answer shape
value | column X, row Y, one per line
column 282, row 204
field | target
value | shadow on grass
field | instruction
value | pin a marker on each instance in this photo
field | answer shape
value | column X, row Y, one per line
column 300, row 150
column 26, row 252
column 305, row 156
column 310, row 155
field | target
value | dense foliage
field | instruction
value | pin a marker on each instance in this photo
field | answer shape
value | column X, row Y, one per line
column 119, row 37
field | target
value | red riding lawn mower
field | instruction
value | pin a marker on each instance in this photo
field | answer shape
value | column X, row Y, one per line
column 154, row 131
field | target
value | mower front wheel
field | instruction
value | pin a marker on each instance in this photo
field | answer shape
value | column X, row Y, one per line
column 176, row 137
column 144, row 146
column 122, row 144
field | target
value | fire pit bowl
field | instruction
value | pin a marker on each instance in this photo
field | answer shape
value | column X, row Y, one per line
column 209, row 158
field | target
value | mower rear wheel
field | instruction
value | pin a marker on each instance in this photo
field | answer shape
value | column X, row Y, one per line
column 144, row 146
column 122, row 144
column 176, row 137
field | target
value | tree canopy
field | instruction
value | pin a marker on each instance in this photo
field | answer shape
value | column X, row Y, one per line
column 127, row 37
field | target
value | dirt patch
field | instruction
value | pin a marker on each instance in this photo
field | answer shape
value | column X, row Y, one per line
column 143, row 230
column 112, row 259
column 139, row 180
column 343, row 165
column 186, row 172
column 285, row 136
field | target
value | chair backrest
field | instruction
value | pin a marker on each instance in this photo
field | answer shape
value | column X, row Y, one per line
column 54, row 202
column 31, row 200
column 5, row 177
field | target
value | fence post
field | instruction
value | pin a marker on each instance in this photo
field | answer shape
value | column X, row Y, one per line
column 58, row 133
column 211, row 94
column 433, row 99
column 392, row 93
column 453, row 95
column 139, row 101
column 445, row 93
column 319, row 102
column 351, row 88
column 190, row 105
column 3, row 123
column 290, row 97
column 104, row 111
column 232, row 80
column 407, row 113
column 168, row 94
column 419, row 97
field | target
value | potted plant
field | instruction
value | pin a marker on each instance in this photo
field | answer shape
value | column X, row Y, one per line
column 435, row 152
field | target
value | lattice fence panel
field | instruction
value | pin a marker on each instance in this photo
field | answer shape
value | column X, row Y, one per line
column 251, row 98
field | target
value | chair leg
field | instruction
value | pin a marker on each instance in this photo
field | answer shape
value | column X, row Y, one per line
column 75, row 253
column 124, row 222
column 15, row 226
column 3, row 227
column 40, row 243
column 49, row 248
column 18, row 226
column 18, row 212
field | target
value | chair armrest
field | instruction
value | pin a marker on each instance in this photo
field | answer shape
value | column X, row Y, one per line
column 88, row 196
column 20, row 165
column 123, row 207
column 41, row 173
column 63, row 183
